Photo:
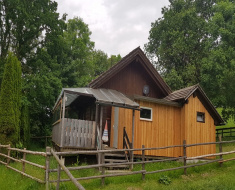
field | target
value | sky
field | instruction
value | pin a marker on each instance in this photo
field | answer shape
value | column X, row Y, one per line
column 117, row 26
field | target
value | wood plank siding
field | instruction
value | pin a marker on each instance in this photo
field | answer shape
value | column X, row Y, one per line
column 163, row 130
column 197, row 132
column 131, row 80
column 169, row 126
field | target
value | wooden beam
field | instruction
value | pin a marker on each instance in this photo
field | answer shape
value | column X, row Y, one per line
column 75, row 182
column 62, row 127
column 133, row 136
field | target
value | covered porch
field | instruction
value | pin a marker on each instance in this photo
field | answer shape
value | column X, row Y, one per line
column 78, row 116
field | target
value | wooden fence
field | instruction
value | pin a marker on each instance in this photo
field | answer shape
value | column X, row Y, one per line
column 7, row 158
column 50, row 153
column 226, row 132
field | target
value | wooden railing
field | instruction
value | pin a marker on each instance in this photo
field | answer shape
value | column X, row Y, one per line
column 7, row 157
column 127, row 144
column 226, row 132
column 75, row 133
column 143, row 161
column 6, row 160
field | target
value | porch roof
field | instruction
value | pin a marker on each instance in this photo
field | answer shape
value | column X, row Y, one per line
column 102, row 96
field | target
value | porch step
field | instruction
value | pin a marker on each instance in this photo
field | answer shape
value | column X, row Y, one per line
column 114, row 155
column 116, row 158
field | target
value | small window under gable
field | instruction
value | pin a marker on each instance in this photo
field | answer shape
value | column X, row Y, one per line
column 146, row 114
column 201, row 117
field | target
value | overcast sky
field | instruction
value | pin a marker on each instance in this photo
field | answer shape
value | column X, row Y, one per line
column 117, row 26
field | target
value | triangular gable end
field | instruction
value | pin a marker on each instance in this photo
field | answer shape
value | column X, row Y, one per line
column 139, row 57
column 182, row 95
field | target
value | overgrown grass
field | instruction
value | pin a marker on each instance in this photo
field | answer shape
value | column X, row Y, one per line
column 208, row 177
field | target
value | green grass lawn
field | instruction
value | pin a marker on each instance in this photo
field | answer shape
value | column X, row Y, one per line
column 208, row 177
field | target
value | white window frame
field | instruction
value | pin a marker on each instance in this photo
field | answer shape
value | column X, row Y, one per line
column 145, row 119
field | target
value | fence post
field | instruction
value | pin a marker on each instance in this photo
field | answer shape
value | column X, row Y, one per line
column 23, row 163
column 48, row 152
column 58, row 176
column 8, row 154
column 220, row 150
column 185, row 156
column 131, row 156
column 143, row 164
column 103, row 169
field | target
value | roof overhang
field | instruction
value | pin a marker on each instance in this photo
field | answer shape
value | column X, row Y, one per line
column 103, row 96
column 156, row 100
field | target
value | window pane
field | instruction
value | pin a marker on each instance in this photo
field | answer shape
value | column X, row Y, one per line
column 200, row 117
column 145, row 113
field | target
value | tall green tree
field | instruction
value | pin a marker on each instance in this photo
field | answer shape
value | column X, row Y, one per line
column 179, row 41
column 218, row 69
column 77, row 68
column 10, row 101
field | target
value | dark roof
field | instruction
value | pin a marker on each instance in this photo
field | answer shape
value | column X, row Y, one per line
column 185, row 93
column 102, row 96
column 181, row 94
column 155, row 100
column 136, row 54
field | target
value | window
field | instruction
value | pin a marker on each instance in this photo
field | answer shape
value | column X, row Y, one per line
column 146, row 114
column 201, row 117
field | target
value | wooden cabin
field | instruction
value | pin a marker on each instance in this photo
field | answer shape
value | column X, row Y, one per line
column 136, row 97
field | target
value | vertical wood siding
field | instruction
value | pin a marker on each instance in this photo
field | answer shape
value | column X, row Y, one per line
column 131, row 80
column 197, row 132
column 169, row 126
column 163, row 130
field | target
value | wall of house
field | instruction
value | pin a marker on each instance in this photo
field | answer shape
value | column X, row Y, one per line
column 131, row 80
column 169, row 126
column 197, row 132
column 163, row 130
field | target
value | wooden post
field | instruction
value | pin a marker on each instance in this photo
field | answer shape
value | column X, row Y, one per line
column 143, row 164
column 75, row 182
column 103, row 169
column 96, row 121
column 131, row 157
column 220, row 150
column 100, row 137
column 123, row 140
column 23, row 163
column 48, row 152
column 185, row 156
column 8, row 154
column 133, row 135
column 62, row 127
column 58, row 177
column 101, row 122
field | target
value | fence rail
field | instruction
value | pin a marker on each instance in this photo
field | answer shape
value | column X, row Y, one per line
column 50, row 153
column 23, row 161
column 226, row 132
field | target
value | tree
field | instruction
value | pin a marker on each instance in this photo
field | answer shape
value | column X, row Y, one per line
column 76, row 68
column 218, row 69
column 10, row 99
column 179, row 41
column 41, row 87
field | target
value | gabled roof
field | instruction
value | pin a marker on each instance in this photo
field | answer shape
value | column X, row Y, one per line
column 136, row 54
column 185, row 93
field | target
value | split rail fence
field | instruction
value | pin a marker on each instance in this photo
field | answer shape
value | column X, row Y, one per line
column 49, row 154
column 226, row 132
